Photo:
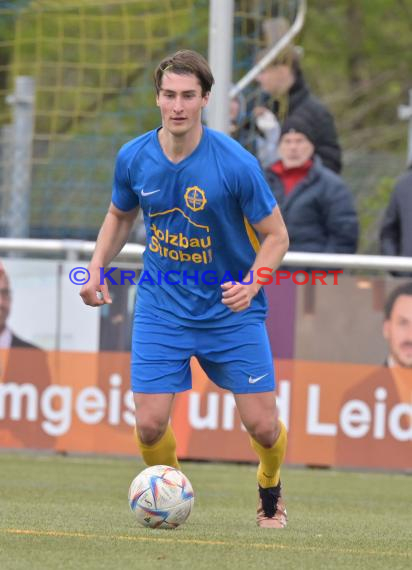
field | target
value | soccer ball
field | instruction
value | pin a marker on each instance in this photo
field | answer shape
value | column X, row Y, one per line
column 161, row 497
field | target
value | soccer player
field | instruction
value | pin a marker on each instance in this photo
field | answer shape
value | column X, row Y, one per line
column 205, row 201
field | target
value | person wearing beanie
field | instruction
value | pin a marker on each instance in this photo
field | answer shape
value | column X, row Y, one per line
column 285, row 94
column 316, row 205
column 296, row 123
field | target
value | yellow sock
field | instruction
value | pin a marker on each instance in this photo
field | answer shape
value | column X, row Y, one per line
column 271, row 458
column 163, row 452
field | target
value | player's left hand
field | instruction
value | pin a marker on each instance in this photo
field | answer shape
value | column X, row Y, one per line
column 237, row 296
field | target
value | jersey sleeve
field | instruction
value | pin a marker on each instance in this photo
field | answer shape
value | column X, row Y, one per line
column 123, row 196
column 253, row 192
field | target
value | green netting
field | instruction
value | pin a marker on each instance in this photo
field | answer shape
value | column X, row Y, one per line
column 92, row 62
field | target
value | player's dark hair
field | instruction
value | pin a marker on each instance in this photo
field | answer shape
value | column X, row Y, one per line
column 405, row 289
column 185, row 62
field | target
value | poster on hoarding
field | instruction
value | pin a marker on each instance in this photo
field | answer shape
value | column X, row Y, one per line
column 343, row 359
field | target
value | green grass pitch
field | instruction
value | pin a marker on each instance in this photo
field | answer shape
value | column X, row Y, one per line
column 72, row 513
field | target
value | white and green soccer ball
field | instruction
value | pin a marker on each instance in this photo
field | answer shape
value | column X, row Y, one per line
column 161, row 497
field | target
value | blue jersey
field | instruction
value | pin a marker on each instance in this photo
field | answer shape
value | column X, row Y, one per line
column 198, row 215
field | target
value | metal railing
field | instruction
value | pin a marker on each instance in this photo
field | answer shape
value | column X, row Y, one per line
column 295, row 28
column 75, row 249
column 67, row 249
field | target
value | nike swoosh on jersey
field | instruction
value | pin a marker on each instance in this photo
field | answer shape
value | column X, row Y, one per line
column 254, row 380
column 149, row 193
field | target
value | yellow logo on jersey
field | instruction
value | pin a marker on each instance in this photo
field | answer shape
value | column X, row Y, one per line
column 195, row 198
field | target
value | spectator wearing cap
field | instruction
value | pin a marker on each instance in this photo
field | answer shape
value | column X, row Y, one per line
column 285, row 94
column 316, row 205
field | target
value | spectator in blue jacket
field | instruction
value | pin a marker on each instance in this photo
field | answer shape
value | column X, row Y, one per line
column 316, row 205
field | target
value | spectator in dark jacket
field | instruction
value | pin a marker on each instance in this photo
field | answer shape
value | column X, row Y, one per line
column 396, row 228
column 315, row 203
column 286, row 94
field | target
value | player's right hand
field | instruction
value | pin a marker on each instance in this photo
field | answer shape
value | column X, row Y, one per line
column 93, row 292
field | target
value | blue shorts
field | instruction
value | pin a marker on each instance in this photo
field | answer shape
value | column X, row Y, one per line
column 236, row 358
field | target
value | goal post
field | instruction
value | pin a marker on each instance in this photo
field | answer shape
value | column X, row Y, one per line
column 250, row 17
column 220, row 60
column 274, row 51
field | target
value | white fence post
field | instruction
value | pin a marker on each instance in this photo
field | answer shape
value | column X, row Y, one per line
column 405, row 114
column 21, row 149
column 220, row 61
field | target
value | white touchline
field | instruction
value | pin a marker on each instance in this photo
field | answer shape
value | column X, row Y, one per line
column 254, row 380
column 148, row 193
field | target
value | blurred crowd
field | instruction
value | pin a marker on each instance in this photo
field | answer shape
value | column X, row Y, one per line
column 293, row 135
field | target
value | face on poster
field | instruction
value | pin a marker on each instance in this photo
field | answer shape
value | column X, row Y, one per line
column 340, row 323
column 32, row 307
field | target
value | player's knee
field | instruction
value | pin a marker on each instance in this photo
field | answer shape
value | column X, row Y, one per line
column 264, row 431
column 150, row 430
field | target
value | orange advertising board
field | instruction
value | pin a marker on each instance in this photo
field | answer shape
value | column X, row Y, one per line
column 337, row 414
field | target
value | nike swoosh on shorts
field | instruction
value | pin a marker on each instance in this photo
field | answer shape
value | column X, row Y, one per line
column 254, row 380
